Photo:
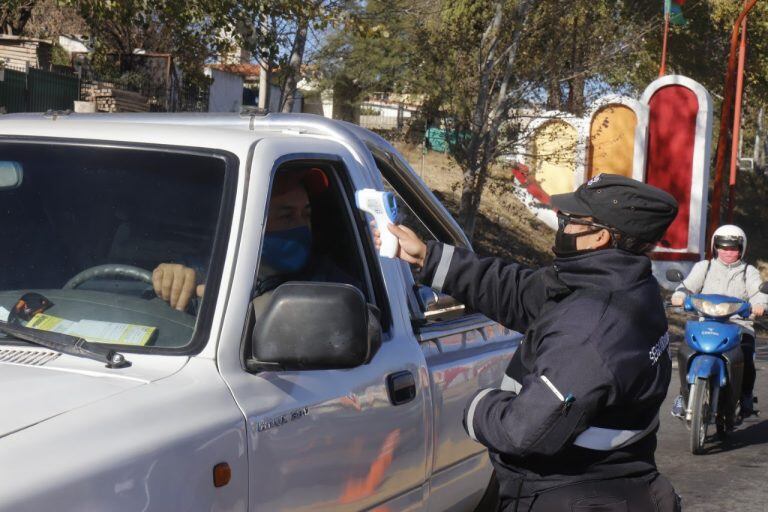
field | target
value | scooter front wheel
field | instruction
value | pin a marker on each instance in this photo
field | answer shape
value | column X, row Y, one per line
column 701, row 407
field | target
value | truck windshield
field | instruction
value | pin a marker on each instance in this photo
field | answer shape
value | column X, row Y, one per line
column 82, row 228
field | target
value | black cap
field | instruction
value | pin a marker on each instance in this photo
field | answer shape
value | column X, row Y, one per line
column 632, row 207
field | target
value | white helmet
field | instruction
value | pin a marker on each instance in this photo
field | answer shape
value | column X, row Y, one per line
column 729, row 235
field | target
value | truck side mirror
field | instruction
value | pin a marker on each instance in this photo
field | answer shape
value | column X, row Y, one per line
column 316, row 326
column 674, row 275
column 438, row 307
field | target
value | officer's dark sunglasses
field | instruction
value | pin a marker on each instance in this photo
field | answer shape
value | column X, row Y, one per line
column 563, row 219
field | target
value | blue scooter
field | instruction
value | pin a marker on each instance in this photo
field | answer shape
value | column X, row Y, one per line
column 711, row 363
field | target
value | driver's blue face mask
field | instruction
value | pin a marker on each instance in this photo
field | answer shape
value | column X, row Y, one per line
column 288, row 250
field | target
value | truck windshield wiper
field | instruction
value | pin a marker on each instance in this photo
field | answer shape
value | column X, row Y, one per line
column 66, row 344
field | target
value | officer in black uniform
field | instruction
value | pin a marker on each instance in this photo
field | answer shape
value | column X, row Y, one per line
column 573, row 425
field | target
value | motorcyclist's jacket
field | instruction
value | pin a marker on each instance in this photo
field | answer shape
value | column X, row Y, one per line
column 739, row 280
column 581, row 396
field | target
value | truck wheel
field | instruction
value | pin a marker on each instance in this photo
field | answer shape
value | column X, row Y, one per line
column 700, row 413
column 490, row 501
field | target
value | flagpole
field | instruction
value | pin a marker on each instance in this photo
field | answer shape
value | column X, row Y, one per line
column 663, row 67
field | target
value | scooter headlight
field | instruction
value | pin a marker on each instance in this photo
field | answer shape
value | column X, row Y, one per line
column 712, row 309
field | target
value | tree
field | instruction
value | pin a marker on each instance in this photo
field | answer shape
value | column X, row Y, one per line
column 506, row 64
column 481, row 103
column 193, row 32
column 51, row 18
column 381, row 46
column 303, row 17
column 481, row 64
column 14, row 16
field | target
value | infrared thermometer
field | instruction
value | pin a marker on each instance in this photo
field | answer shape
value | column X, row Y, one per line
column 383, row 207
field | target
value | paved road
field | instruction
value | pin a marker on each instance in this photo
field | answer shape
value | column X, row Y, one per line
column 730, row 477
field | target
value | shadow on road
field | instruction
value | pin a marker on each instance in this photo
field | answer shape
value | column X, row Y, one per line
column 753, row 432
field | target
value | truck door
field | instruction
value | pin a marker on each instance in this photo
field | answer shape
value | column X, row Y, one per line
column 337, row 440
column 464, row 351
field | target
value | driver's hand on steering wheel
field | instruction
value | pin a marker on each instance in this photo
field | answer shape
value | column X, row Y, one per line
column 175, row 283
column 758, row 310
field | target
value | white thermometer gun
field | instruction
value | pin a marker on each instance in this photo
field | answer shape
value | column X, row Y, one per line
column 383, row 207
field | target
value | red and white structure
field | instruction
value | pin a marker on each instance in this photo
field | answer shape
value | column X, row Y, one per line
column 678, row 154
column 663, row 139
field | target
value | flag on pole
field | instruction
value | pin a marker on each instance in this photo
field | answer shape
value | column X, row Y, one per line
column 674, row 9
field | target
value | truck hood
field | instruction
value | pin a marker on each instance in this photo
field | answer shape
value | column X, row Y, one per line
column 31, row 394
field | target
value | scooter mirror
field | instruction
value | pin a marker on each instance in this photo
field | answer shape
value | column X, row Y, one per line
column 674, row 275
column 764, row 287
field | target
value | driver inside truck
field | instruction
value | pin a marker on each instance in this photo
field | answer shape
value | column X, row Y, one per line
column 288, row 251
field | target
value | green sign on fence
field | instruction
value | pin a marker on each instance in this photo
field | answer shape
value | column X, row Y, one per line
column 437, row 139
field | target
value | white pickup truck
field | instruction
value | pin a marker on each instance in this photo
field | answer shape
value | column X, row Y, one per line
column 314, row 396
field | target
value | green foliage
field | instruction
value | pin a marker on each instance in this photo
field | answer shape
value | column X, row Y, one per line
column 379, row 47
column 59, row 56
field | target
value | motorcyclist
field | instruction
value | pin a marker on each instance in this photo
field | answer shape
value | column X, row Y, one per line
column 573, row 425
column 727, row 274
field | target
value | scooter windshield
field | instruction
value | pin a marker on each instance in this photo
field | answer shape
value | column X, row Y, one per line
column 718, row 306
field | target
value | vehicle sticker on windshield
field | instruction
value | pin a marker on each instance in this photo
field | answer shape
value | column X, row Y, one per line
column 95, row 330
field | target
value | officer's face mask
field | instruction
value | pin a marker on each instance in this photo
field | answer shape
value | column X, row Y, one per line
column 565, row 243
column 288, row 250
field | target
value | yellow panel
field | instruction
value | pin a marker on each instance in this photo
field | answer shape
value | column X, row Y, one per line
column 554, row 157
column 612, row 141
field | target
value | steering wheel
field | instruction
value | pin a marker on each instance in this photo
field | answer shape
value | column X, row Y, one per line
column 109, row 270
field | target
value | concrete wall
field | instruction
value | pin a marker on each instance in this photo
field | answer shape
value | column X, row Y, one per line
column 226, row 93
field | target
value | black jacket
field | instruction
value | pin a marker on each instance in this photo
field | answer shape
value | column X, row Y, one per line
column 581, row 396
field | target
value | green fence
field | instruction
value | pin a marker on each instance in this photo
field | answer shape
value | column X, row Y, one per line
column 38, row 91
column 13, row 91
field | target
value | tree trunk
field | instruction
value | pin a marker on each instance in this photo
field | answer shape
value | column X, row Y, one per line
column 491, row 111
column 467, row 213
column 13, row 22
column 479, row 122
column 554, row 95
column 758, row 151
column 575, row 104
column 294, row 65
column 576, row 95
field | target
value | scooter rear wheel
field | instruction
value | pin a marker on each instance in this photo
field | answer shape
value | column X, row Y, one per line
column 701, row 408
